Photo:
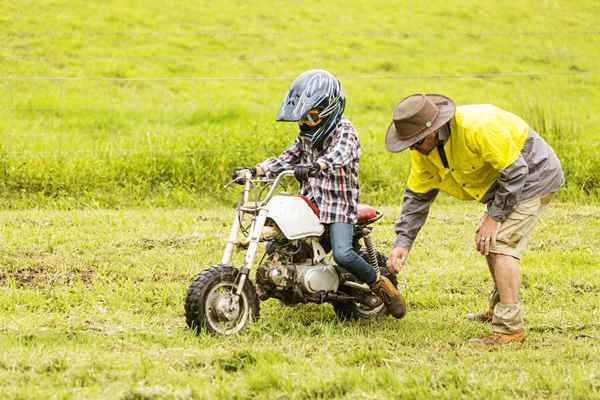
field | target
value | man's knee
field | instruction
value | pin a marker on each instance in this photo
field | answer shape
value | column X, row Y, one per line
column 495, row 259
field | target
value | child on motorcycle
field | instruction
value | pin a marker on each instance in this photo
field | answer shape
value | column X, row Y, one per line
column 325, row 158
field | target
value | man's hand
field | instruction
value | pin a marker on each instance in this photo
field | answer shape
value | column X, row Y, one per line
column 397, row 254
column 303, row 172
column 486, row 235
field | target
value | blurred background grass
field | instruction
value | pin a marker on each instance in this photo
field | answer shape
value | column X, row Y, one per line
column 162, row 99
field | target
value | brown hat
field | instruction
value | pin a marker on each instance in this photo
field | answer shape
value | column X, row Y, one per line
column 416, row 117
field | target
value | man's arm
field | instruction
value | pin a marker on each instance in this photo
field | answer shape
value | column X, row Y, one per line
column 509, row 186
column 414, row 213
column 508, row 189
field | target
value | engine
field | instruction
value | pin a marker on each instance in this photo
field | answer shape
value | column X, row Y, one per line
column 289, row 273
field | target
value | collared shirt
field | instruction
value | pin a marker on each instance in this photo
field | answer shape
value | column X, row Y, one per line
column 536, row 171
column 335, row 190
column 485, row 139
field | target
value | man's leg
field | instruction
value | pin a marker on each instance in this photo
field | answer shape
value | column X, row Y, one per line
column 493, row 298
column 507, row 317
column 513, row 235
column 507, row 274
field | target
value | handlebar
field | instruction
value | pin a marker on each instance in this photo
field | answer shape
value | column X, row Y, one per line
column 281, row 175
column 249, row 181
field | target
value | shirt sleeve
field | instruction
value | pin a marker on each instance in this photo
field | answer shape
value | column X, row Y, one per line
column 345, row 148
column 415, row 209
column 508, row 189
column 290, row 157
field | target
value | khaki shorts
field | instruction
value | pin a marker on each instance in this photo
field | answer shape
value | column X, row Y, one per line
column 514, row 232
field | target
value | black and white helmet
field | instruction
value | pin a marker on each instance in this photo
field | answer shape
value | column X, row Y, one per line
column 314, row 89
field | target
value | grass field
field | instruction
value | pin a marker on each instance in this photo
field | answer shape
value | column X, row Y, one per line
column 161, row 99
column 121, row 120
column 91, row 306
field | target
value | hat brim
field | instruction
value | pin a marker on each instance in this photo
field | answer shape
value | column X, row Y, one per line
column 447, row 108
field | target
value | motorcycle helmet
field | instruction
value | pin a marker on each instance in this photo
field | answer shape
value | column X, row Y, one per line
column 316, row 100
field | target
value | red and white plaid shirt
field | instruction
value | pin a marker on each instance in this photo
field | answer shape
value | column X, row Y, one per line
column 335, row 190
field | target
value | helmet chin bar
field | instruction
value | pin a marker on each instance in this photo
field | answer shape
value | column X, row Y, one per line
column 310, row 131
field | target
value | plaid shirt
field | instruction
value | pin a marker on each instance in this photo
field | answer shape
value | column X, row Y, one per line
column 335, row 190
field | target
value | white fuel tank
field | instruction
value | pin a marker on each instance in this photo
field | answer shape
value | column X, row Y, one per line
column 294, row 217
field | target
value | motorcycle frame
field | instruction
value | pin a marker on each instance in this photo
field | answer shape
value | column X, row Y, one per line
column 260, row 212
column 256, row 227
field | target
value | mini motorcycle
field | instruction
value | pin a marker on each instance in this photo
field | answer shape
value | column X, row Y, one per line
column 294, row 267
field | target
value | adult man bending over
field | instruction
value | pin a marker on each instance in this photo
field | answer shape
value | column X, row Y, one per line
column 483, row 153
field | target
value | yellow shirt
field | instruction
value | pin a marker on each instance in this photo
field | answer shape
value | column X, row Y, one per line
column 484, row 140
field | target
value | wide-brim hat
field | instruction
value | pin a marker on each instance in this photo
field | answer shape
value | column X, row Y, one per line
column 415, row 118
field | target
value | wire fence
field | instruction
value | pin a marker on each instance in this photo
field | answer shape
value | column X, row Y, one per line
column 277, row 57
column 104, row 153
column 476, row 75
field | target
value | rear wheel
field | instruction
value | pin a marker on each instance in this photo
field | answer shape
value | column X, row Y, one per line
column 211, row 302
column 356, row 310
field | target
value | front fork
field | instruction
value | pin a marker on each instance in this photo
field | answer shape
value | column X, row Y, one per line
column 255, row 231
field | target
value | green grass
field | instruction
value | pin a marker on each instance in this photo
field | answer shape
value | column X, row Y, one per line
column 91, row 306
column 168, row 141
column 91, row 298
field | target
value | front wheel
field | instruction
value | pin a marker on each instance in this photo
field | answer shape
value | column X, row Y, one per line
column 211, row 302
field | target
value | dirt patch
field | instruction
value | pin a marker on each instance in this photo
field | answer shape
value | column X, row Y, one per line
column 27, row 276
column 40, row 277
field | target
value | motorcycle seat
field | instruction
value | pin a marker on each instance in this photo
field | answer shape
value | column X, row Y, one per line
column 366, row 212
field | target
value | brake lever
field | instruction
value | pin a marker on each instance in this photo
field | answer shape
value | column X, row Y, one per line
column 248, row 177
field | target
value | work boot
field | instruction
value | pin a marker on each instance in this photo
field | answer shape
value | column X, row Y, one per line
column 389, row 294
column 497, row 338
column 484, row 317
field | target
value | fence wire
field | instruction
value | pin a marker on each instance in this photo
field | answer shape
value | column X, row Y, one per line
column 480, row 75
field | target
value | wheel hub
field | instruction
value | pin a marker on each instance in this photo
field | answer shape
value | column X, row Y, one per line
column 226, row 307
column 226, row 312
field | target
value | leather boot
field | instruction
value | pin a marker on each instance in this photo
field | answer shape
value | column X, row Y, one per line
column 389, row 294
column 497, row 338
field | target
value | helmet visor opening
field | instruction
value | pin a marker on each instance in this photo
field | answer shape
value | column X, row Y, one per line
column 311, row 118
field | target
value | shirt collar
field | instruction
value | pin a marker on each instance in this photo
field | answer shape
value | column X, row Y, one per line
column 444, row 133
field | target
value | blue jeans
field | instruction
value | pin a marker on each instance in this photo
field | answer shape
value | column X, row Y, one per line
column 345, row 256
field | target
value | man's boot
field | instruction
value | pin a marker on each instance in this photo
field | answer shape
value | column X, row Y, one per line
column 507, row 326
column 389, row 294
